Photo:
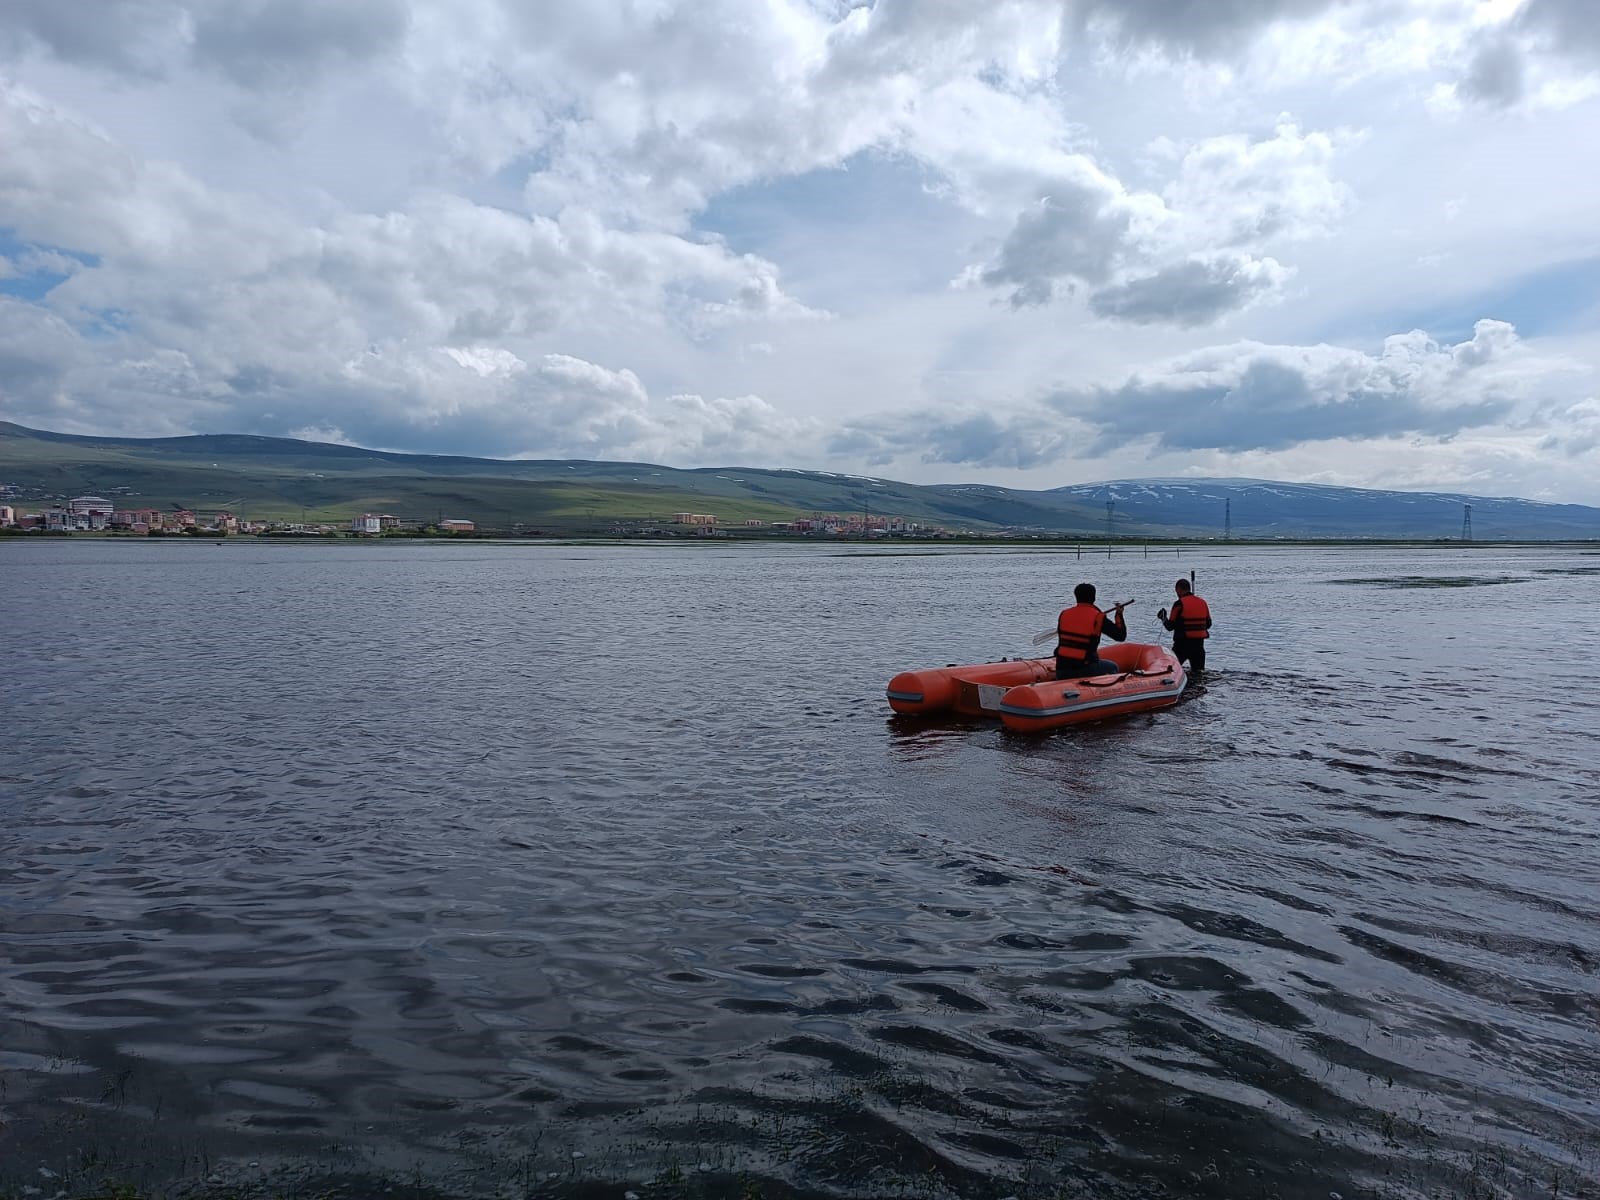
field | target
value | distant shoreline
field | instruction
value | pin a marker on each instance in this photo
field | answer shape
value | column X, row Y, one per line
column 1080, row 547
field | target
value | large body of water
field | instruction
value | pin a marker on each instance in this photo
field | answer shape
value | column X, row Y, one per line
column 566, row 870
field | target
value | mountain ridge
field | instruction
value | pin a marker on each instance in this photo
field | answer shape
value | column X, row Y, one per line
column 274, row 476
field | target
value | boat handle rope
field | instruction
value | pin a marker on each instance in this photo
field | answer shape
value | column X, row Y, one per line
column 1124, row 675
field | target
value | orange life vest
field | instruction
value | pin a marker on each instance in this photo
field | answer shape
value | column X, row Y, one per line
column 1192, row 617
column 1078, row 632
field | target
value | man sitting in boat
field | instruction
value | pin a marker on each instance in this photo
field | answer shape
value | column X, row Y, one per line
column 1078, row 631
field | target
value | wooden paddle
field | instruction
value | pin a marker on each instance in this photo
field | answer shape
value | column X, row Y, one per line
column 1040, row 639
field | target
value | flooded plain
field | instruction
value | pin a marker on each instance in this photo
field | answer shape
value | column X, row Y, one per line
column 482, row 870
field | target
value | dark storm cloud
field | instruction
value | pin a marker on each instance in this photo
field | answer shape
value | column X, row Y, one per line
column 1020, row 440
column 1497, row 73
column 1572, row 445
column 259, row 43
column 1200, row 28
column 1185, row 257
column 255, row 43
column 1191, row 293
column 126, row 36
column 1268, row 404
column 1573, row 26
column 1074, row 234
column 1242, row 397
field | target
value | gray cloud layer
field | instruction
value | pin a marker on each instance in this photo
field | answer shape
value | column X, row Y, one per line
column 1188, row 257
column 1245, row 397
column 1253, row 397
column 1076, row 233
column 132, row 37
column 286, row 43
column 1203, row 28
column 1506, row 60
column 1190, row 293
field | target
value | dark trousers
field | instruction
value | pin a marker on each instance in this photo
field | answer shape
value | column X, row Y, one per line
column 1191, row 652
column 1067, row 668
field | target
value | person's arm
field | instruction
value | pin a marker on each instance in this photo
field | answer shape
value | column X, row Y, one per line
column 1172, row 621
column 1116, row 629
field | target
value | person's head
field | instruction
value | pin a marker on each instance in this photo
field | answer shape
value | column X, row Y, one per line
column 1182, row 587
column 1084, row 593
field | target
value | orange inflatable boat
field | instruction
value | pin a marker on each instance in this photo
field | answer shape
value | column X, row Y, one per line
column 1026, row 695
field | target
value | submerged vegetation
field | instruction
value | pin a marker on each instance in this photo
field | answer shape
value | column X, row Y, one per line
column 1432, row 581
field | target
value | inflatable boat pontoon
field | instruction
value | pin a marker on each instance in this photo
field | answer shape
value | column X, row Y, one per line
column 1026, row 695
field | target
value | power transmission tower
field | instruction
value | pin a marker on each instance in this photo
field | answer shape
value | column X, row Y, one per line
column 1110, row 505
column 1466, row 522
column 1227, row 520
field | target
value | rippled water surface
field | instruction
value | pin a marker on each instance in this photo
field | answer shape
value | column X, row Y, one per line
column 560, row 870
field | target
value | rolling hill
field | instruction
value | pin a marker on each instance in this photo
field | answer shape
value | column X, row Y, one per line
column 1262, row 508
column 288, row 479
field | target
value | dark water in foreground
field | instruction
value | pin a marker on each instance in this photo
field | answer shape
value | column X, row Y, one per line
column 565, row 870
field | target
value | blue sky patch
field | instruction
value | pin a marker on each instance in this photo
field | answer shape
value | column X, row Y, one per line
column 1550, row 301
column 876, row 215
column 33, row 270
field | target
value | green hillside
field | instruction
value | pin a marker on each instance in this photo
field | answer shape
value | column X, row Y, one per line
column 285, row 479
column 281, row 479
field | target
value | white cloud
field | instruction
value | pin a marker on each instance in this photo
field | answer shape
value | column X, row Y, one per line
column 321, row 433
column 485, row 360
column 1242, row 192
column 246, row 315
column 622, row 229
column 1491, row 340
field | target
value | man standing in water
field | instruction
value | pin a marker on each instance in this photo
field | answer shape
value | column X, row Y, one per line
column 1190, row 622
column 1078, row 631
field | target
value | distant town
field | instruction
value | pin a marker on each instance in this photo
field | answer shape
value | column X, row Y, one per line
column 99, row 514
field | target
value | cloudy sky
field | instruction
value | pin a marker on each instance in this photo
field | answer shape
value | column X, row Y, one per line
column 1029, row 242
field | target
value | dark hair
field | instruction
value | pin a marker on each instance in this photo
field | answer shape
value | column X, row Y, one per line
column 1183, row 587
column 1084, row 593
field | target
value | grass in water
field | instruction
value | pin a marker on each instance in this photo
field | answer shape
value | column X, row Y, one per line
column 1433, row 581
